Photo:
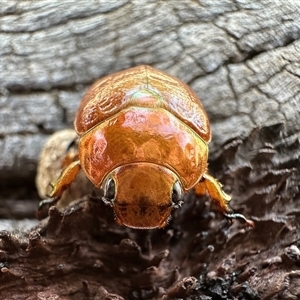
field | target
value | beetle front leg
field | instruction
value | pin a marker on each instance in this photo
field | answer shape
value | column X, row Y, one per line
column 209, row 185
column 66, row 178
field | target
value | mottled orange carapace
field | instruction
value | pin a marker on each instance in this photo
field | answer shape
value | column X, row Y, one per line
column 143, row 139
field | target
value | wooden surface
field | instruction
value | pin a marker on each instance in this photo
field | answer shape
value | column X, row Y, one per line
column 242, row 59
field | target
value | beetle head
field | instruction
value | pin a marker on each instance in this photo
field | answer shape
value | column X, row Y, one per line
column 142, row 194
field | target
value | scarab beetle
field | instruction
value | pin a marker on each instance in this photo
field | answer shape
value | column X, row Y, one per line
column 143, row 139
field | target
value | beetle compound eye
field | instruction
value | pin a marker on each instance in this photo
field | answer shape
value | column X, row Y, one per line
column 177, row 195
column 109, row 191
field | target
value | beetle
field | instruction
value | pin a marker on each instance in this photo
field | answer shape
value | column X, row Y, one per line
column 143, row 139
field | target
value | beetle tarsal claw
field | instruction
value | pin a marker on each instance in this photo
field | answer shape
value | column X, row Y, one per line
column 44, row 205
column 49, row 202
column 231, row 216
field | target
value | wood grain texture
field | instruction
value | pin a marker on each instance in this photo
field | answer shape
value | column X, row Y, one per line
column 242, row 59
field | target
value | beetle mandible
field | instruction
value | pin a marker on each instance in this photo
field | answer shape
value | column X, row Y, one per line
column 143, row 139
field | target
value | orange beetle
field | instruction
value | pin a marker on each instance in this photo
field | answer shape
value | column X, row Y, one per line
column 143, row 138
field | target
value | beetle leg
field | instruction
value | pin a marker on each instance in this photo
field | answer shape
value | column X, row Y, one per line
column 210, row 185
column 63, row 182
column 65, row 179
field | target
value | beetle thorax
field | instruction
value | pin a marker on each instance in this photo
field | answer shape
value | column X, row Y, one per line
column 143, row 135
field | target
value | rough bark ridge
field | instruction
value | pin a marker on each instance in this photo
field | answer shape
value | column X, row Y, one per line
column 80, row 253
column 242, row 59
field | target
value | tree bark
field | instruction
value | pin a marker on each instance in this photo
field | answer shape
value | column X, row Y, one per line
column 242, row 59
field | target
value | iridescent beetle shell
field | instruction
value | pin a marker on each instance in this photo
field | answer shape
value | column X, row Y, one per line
column 143, row 139
column 143, row 123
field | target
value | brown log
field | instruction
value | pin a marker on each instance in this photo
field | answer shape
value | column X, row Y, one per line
column 242, row 59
